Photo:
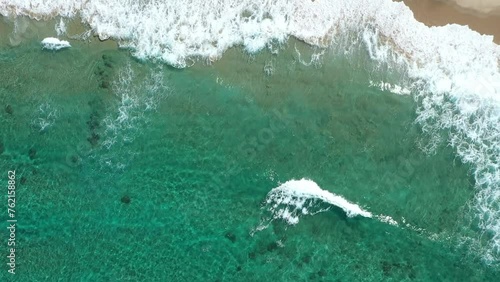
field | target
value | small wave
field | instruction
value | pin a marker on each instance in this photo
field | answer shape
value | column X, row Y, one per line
column 393, row 88
column 138, row 96
column 294, row 198
column 299, row 197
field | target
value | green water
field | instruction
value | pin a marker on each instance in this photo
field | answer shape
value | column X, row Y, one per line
column 135, row 171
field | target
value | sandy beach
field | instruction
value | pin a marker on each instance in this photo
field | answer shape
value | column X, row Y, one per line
column 481, row 16
column 483, row 6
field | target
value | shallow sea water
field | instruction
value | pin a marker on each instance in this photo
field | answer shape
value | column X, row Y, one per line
column 136, row 171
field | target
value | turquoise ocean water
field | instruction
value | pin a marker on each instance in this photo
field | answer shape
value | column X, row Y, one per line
column 132, row 170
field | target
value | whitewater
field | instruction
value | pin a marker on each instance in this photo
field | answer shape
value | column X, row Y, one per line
column 296, row 197
column 455, row 70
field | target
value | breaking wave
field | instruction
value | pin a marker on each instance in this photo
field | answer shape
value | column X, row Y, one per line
column 296, row 197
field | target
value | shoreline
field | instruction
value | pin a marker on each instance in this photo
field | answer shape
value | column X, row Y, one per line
column 440, row 13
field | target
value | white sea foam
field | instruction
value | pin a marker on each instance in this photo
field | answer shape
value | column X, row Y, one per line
column 295, row 197
column 138, row 94
column 394, row 88
column 52, row 43
column 45, row 117
column 60, row 28
column 135, row 100
column 456, row 68
column 387, row 219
